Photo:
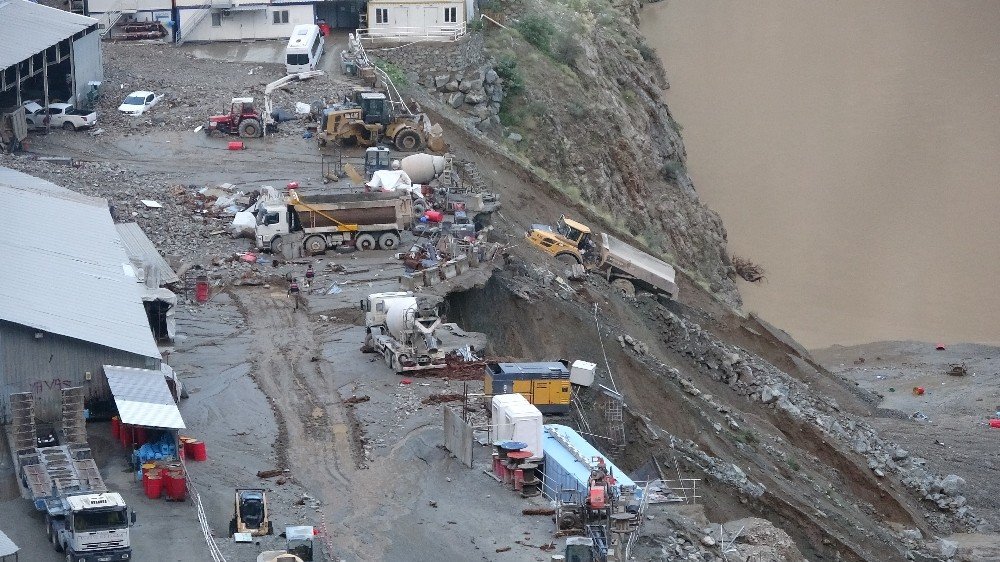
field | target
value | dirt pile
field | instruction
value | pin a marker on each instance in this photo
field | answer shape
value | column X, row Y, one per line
column 204, row 87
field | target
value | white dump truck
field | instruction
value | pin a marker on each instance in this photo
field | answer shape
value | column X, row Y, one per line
column 82, row 518
column 365, row 220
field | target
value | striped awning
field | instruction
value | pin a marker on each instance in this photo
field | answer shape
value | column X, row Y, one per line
column 143, row 397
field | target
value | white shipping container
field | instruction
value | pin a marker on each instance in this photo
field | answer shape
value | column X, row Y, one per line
column 518, row 420
column 582, row 373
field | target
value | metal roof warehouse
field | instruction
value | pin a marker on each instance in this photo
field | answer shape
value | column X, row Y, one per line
column 69, row 299
column 40, row 47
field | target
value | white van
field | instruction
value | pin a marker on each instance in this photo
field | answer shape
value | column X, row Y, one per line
column 304, row 49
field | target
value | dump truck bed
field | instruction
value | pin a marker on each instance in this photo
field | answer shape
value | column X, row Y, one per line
column 381, row 211
column 54, row 472
column 638, row 264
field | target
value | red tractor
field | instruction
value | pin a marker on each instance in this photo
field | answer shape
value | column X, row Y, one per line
column 243, row 119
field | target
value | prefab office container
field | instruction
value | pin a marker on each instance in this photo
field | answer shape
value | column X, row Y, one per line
column 546, row 385
column 566, row 469
column 514, row 419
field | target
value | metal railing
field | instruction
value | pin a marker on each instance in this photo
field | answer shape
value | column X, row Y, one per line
column 436, row 33
column 186, row 27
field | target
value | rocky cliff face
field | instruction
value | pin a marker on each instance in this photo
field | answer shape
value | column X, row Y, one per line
column 573, row 92
column 591, row 115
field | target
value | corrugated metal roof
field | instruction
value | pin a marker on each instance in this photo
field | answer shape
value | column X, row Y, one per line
column 140, row 250
column 143, row 397
column 7, row 546
column 30, row 28
column 66, row 271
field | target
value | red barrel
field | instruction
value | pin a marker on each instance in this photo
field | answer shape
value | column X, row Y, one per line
column 434, row 216
column 153, row 483
column 197, row 451
column 116, row 428
column 236, row 145
column 995, row 423
column 201, row 288
column 175, row 484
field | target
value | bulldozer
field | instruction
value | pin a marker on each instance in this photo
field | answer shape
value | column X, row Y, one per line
column 370, row 117
column 250, row 514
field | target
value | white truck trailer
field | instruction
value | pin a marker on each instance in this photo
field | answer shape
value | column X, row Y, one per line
column 83, row 519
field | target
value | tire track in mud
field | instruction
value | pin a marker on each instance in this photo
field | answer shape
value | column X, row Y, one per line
column 314, row 431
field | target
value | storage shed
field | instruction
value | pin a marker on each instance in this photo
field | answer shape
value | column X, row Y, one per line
column 46, row 53
column 71, row 305
column 569, row 459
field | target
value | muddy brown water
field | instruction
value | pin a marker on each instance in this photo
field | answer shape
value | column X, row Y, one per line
column 853, row 149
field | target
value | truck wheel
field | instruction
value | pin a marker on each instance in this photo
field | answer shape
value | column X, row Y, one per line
column 408, row 140
column 568, row 259
column 315, row 245
column 388, row 241
column 67, row 126
column 250, row 128
column 275, row 244
column 365, row 242
column 624, row 287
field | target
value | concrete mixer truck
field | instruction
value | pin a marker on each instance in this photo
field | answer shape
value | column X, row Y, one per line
column 402, row 331
column 411, row 336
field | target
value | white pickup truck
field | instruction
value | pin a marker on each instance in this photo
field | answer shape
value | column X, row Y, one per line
column 58, row 115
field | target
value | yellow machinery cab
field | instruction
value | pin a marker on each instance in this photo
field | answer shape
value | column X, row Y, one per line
column 544, row 384
column 565, row 241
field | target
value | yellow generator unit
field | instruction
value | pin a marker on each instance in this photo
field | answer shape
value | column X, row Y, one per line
column 546, row 385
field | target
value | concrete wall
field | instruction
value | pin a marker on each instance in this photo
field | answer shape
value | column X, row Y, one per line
column 245, row 24
column 458, row 73
column 44, row 366
column 88, row 63
column 458, row 436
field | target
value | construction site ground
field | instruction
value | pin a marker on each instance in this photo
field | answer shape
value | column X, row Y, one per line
column 272, row 387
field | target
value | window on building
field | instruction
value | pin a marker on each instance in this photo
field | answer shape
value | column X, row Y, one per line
column 451, row 15
column 216, row 19
column 381, row 15
column 280, row 16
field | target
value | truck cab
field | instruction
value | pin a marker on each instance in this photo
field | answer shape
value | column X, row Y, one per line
column 273, row 221
column 569, row 241
column 91, row 527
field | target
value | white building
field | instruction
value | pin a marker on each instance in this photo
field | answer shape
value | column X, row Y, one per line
column 238, row 20
column 427, row 20
column 110, row 12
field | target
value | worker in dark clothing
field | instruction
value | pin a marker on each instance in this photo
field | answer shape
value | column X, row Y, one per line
column 293, row 291
column 310, row 274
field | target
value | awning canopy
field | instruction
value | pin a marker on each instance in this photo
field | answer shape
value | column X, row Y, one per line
column 143, row 398
column 7, row 546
